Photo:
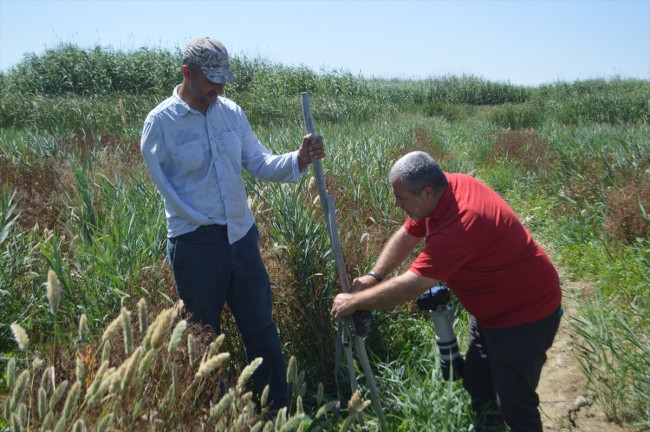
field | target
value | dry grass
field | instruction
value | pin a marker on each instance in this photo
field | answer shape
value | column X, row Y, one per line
column 628, row 211
column 525, row 148
column 41, row 188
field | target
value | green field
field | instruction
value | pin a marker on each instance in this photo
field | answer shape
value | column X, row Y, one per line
column 82, row 240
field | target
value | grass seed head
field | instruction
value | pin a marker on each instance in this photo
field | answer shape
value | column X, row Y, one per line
column 104, row 423
column 109, row 380
column 112, row 328
column 191, row 349
column 37, row 363
column 42, row 402
column 216, row 345
column 356, row 404
column 47, row 379
column 60, row 425
column 257, row 427
column 11, row 372
column 211, row 364
column 16, row 424
column 328, row 407
column 264, row 399
column 292, row 375
column 80, row 369
column 222, row 405
column 299, row 406
column 248, row 371
column 127, row 330
column 83, row 327
column 115, row 379
column 294, row 422
column 99, row 376
column 163, row 325
column 22, row 413
column 130, row 368
column 58, row 392
column 106, row 351
column 72, row 399
column 143, row 315
column 19, row 389
column 145, row 362
column 177, row 334
column 20, row 335
column 48, row 422
column 53, row 291
column 79, row 426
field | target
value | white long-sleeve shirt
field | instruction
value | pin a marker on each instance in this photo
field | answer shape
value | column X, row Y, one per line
column 195, row 161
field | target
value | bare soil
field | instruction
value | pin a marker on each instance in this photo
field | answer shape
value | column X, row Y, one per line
column 565, row 402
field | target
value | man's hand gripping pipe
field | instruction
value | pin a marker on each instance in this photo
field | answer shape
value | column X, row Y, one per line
column 327, row 203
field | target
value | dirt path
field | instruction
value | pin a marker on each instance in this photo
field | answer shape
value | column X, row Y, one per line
column 562, row 386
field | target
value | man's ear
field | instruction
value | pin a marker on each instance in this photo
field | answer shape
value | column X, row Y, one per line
column 429, row 192
column 186, row 71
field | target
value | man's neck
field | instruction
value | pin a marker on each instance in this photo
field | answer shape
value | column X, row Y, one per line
column 186, row 96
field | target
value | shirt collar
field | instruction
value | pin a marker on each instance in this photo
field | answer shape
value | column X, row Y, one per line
column 445, row 199
column 181, row 107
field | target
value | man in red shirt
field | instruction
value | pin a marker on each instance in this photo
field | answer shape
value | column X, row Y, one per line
column 476, row 244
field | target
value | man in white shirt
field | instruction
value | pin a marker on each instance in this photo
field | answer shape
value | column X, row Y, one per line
column 195, row 144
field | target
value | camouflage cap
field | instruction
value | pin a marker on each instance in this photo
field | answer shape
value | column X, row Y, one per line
column 211, row 56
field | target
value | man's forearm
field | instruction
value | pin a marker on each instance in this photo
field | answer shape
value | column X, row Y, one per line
column 398, row 247
column 386, row 295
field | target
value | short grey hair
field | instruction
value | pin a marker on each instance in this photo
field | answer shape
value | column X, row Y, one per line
column 418, row 170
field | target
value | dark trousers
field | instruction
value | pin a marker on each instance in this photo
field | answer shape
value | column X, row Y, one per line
column 210, row 272
column 502, row 369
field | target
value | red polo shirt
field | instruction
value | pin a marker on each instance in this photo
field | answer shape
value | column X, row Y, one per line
column 476, row 243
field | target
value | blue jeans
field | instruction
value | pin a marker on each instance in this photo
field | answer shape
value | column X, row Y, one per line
column 502, row 370
column 210, row 272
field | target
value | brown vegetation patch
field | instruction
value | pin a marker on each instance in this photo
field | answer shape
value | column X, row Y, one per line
column 628, row 209
column 424, row 142
column 42, row 185
column 39, row 187
column 84, row 144
column 524, row 148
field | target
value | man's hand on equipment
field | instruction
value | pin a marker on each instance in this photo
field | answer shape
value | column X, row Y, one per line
column 310, row 150
column 343, row 305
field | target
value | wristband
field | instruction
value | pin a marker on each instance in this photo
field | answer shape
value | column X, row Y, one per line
column 375, row 275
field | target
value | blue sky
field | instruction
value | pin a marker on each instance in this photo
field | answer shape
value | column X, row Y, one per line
column 518, row 41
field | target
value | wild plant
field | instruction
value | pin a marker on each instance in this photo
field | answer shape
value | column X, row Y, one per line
column 614, row 357
column 147, row 384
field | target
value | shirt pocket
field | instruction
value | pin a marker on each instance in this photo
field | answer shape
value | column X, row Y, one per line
column 188, row 156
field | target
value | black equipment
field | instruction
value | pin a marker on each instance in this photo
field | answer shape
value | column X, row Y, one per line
column 436, row 301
